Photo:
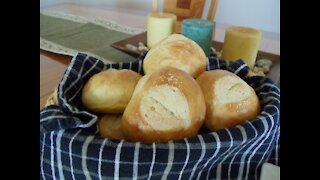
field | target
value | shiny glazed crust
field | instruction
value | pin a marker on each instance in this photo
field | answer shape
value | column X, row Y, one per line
column 109, row 91
column 230, row 110
column 152, row 115
column 176, row 51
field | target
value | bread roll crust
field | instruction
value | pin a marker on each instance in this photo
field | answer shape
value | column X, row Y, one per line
column 163, row 95
column 110, row 126
column 176, row 51
column 229, row 100
column 109, row 91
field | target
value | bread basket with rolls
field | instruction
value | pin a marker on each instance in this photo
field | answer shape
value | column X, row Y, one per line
column 170, row 122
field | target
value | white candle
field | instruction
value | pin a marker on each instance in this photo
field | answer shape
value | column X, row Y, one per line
column 159, row 26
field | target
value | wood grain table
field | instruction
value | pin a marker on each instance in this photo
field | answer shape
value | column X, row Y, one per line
column 52, row 66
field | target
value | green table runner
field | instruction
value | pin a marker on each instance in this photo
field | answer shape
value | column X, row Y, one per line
column 67, row 34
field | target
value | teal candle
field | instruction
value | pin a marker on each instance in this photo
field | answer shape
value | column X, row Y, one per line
column 200, row 31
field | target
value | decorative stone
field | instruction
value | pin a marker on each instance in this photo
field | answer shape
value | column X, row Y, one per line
column 264, row 62
column 131, row 47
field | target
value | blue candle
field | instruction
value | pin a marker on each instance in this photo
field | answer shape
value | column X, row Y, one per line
column 200, row 31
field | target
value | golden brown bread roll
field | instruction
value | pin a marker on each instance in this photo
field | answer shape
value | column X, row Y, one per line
column 166, row 105
column 229, row 100
column 110, row 126
column 176, row 51
column 109, row 91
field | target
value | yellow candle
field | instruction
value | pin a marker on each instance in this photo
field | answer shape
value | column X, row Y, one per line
column 159, row 26
column 241, row 42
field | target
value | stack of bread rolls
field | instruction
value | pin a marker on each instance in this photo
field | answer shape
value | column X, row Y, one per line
column 173, row 100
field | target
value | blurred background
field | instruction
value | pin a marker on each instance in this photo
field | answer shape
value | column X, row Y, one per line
column 260, row 14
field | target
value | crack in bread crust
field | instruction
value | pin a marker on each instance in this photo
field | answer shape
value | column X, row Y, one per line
column 165, row 108
column 230, row 89
column 158, row 109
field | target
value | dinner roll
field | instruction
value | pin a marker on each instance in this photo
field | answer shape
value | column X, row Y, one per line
column 229, row 100
column 110, row 126
column 166, row 105
column 109, row 91
column 176, row 51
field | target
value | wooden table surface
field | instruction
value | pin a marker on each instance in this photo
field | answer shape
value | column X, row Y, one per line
column 52, row 66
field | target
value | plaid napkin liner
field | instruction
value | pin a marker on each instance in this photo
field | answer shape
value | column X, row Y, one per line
column 237, row 152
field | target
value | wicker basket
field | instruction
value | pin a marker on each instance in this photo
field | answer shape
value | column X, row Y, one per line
column 72, row 149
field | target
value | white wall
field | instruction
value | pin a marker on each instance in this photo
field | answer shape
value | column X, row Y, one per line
column 260, row 14
column 44, row 3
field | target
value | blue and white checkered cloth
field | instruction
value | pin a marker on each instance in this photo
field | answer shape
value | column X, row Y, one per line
column 70, row 146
